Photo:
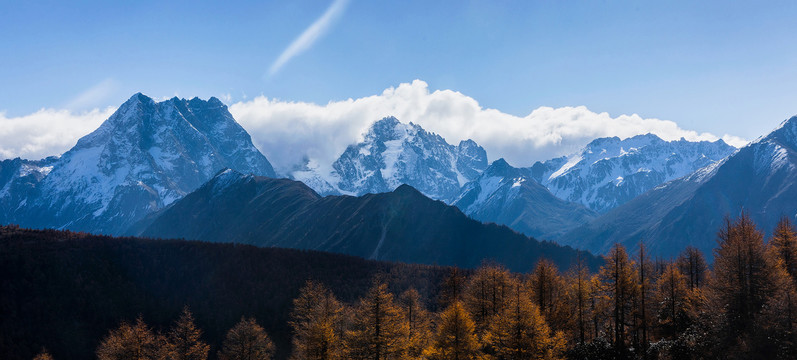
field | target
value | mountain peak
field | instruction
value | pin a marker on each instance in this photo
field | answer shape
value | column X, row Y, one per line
column 144, row 157
column 502, row 168
column 785, row 133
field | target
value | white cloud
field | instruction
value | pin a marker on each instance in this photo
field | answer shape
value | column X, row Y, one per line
column 46, row 132
column 289, row 132
column 310, row 35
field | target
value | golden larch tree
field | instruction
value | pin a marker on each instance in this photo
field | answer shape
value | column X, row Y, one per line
column 618, row 283
column 455, row 337
column 485, row 294
column 379, row 329
column 247, row 341
column 130, row 342
column 693, row 265
column 547, row 290
column 519, row 331
column 784, row 246
column 578, row 301
column 317, row 324
column 419, row 322
column 184, row 339
column 676, row 310
column 43, row 355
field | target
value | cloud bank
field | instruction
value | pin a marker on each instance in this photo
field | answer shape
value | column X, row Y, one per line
column 46, row 132
column 289, row 133
column 294, row 133
column 310, row 35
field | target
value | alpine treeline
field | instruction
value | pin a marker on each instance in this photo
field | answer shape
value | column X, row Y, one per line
column 634, row 307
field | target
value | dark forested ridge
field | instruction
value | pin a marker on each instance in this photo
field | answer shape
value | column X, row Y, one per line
column 402, row 225
column 65, row 290
column 168, row 299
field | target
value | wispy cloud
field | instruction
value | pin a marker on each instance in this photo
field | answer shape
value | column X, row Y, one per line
column 93, row 96
column 310, row 35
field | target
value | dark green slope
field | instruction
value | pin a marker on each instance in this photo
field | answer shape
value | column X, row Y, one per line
column 402, row 225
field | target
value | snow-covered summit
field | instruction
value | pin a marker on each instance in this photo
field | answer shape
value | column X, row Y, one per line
column 609, row 171
column 144, row 157
column 393, row 153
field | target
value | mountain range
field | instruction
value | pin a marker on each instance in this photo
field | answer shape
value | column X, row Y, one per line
column 158, row 167
column 760, row 179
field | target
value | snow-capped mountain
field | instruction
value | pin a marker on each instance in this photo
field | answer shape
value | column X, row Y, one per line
column 609, row 172
column 144, row 157
column 760, row 178
column 19, row 179
column 394, row 153
column 510, row 196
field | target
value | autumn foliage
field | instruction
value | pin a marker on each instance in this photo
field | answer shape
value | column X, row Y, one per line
column 742, row 306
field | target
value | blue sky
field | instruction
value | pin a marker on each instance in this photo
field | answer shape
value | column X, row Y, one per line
column 711, row 66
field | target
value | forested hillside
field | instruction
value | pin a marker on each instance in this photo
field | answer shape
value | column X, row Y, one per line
column 76, row 294
column 64, row 290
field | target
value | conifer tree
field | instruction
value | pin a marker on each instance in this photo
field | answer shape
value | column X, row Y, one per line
column 485, row 294
column 455, row 337
column 184, row 341
column 316, row 323
column 379, row 330
column 784, row 245
column 643, row 305
column 676, row 310
column 247, row 341
column 452, row 288
column 130, row 342
column 519, row 331
column 618, row 281
column 43, row 355
column 418, row 322
column 746, row 276
column 578, row 301
column 743, row 274
column 692, row 264
column 547, row 290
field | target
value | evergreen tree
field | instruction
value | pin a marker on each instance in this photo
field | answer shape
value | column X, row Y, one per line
column 184, row 341
column 519, row 331
column 455, row 337
column 130, row 342
column 247, row 341
column 379, row 330
column 418, row 322
column 316, row 323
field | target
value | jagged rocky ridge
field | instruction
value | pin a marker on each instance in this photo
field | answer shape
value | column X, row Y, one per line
column 510, row 196
column 144, row 157
column 759, row 179
column 609, row 172
column 394, row 153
